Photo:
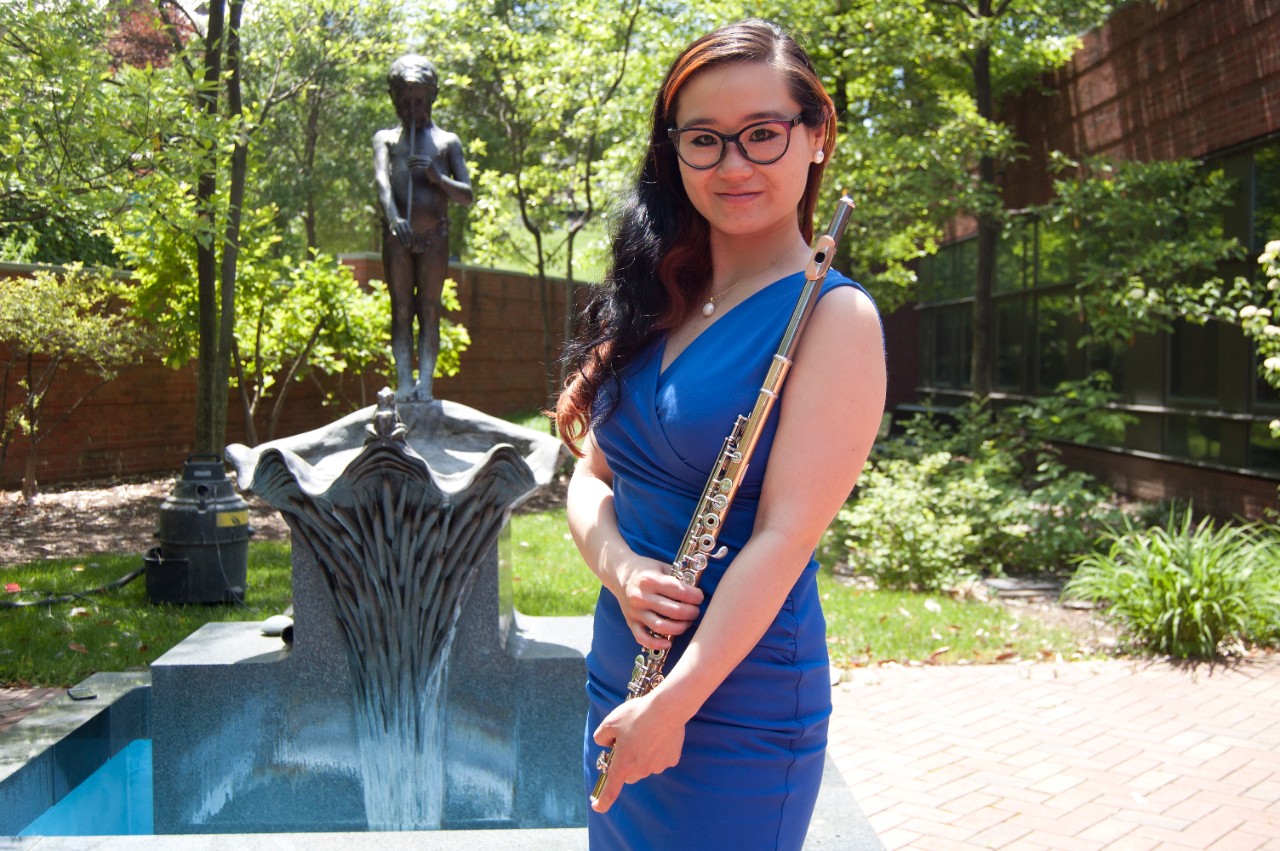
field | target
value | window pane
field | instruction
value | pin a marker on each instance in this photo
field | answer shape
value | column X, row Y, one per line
column 956, row 270
column 1108, row 358
column 926, row 278
column 1197, row 438
column 1055, row 336
column 1264, row 450
column 1266, row 195
column 1193, row 362
column 1053, row 261
column 945, row 344
column 1011, row 257
column 1011, row 348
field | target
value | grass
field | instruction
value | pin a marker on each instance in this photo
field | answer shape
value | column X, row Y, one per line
column 548, row 577
column 120, row 630
column 871, row 627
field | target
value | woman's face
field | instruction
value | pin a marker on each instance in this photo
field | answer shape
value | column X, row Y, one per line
column 739, row 197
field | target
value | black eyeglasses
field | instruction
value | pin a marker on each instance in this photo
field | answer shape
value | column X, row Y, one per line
column 762, row 143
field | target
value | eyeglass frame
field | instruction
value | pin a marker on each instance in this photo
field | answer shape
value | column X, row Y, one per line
column 673, row 134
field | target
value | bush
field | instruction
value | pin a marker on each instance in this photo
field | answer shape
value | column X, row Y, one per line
column 909, row 529
column 981, row 493
column 1189, row 592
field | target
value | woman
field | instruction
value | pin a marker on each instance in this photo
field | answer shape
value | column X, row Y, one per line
column 727, row 752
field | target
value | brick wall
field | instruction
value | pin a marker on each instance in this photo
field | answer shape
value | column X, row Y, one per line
column 1217, row 492
column 1198, row 77
column 143, row 421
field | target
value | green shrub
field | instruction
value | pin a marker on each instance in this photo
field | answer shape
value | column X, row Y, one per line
column 1191, row 592
column 907, row 529
column 975, row 493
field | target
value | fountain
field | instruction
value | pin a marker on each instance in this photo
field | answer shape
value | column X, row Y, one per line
column 413, row 694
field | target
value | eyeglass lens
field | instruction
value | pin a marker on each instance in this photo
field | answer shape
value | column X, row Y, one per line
column 762, row 143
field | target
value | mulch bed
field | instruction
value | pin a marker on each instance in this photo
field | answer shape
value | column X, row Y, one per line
column 120, row 517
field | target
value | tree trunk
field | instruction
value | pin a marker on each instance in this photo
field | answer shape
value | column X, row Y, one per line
column 980, row 366
column 207, row 432
column 231, row 237
column 309, row 162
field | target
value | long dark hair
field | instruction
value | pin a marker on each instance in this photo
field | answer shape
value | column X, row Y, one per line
column 661, row 245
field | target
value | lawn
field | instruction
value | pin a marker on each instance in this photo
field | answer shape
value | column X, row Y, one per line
column 118, row 630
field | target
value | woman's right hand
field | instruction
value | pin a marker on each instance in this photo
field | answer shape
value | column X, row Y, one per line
column 655, row 603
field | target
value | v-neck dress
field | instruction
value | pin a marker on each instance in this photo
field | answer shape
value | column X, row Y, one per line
column 753, row 755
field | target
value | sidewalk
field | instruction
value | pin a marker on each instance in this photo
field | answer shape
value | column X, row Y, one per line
column 1116, row 755
column 1123, row 755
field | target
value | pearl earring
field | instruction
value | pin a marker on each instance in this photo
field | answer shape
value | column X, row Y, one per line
column 819, row 156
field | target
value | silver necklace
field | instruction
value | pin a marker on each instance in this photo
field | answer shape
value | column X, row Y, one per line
column 709, row 308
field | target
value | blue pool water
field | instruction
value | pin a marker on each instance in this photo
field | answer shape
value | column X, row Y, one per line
column 113, row 801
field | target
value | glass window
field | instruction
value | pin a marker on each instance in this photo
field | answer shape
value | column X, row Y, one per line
column 946, row 336
column 1197, row 438
column 955, row 270
column 1053, row 264
column 1056, row 333
column 1266, row 195
column 1193, row 362
column 1264, row 450
column 925, row 277
column 1014, row 256
column 1011, row 346
column 1108, row 358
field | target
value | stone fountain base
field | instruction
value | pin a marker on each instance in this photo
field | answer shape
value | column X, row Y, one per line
column 412, row 696
column 252, row 737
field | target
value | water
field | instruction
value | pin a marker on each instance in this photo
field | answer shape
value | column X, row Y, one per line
column 113, row 801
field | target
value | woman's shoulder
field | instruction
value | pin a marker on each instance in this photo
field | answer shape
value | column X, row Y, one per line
column 845, row 306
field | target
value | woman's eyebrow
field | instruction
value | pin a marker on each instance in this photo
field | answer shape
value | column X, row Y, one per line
column 746, row 119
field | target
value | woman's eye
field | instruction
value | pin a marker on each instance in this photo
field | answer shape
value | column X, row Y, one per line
column 703, row 140
column 762, row 134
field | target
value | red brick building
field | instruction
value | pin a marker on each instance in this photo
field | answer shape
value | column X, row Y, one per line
column 1197, row 79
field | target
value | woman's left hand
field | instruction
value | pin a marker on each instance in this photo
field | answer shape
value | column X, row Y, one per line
column 645, row 739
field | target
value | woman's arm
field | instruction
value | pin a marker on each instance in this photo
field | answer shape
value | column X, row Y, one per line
column 833, row 402
column 653, row 602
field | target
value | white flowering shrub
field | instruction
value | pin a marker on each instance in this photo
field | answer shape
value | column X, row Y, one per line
column 1259, row 320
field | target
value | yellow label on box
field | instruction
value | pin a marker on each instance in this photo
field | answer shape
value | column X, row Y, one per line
column 233, row 518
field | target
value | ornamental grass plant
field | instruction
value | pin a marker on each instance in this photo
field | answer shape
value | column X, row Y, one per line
column 1190, row 591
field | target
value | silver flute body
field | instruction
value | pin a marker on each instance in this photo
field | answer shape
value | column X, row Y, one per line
column 699, row 544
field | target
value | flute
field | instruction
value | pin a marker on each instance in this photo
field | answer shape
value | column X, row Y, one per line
column 730, row 466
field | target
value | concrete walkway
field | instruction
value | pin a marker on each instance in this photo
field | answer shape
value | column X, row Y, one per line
column 1123, row 755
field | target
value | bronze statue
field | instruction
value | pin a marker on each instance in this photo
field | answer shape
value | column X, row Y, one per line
column 419, row 169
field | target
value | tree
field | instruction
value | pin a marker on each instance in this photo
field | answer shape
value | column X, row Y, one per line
column 1144, row 240
column 1259, row 316
column 47, row 322
column 197, row 184
column 73, row 124
column 549, row 145
column 917, row 85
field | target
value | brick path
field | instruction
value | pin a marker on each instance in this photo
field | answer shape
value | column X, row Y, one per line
column 1114, row 754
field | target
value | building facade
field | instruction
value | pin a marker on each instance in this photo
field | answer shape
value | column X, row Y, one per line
column 1196, row 79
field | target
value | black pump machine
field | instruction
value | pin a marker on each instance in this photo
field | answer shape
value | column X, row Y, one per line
column 204, row 532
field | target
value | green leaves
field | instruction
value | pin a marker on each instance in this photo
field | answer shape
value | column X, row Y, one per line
column 1192, row 592
column 1143, row 241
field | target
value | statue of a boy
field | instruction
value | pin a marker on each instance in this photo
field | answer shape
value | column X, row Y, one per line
column 419, row 168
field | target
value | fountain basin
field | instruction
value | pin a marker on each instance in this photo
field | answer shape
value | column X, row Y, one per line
column 46, row 754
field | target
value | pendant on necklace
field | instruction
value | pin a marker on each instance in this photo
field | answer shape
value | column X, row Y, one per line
column 708, row 308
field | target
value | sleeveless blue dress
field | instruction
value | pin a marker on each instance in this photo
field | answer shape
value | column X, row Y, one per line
column 753, row 755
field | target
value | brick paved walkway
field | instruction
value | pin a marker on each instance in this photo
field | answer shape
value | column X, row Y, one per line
column 1071, row 756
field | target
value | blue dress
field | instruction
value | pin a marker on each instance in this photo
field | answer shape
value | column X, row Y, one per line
column 753, row 755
